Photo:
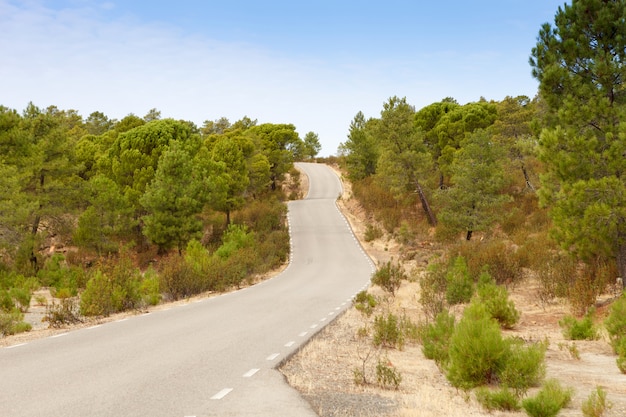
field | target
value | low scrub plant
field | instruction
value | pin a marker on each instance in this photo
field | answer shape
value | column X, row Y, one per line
column 436, row 338
column 372, row 232
column 615, row 322
column 387, row 376
column 496, row 299
column 11, row 322
column 549, row 400
column 524, row 366
column 477, row 351
column 61, row 313
column 501, row 399
column 433, row 290
column 365, row 303
column 389, row 276
column 596, row 405
column 583, row 329
column 387, row 332
column 459, row 284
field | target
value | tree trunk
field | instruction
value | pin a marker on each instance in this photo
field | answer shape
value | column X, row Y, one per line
column 527, row 178
column 469, row 235
column 432, row 220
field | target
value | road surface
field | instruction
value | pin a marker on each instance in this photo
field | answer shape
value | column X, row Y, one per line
column 214, row 357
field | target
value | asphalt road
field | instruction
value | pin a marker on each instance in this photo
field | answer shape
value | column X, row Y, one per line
column 214, row 357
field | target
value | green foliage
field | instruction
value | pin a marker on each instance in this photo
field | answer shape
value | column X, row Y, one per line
column 236, row 237
column 524, row 366
column 596, row 404
column 365, row 303
column 372, row 232
column 387, row 376
column 502, row 399
column 387, row 332
column 583, row 145
column 460, row 286
column 11, row 322
column 389, row 276
column 436, row 338
column 496, row 300
column 473, row 202
column 57, row 274
column 583, row 329
column 477, row 350
column 179, row 279
column 549, row 400
column 433, row 289
column 361, row 150
column 115, row 287
column 615, row 322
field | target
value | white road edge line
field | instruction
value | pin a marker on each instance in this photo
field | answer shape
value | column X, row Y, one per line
column 221, row 394
column 290, row 344
column 303, row 334
column 14, row 346
column 58, row 335
column 251, row 373
column 273, row 356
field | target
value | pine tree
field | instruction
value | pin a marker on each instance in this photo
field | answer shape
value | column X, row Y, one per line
column 581, row 67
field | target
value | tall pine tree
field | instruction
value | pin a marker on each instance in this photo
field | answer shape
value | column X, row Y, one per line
column 581, row 67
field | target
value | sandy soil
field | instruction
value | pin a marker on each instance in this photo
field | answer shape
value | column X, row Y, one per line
column 323, row 370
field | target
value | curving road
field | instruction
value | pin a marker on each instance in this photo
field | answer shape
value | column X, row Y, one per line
column 214, row 357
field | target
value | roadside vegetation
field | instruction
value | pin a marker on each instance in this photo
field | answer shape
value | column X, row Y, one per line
column 116, row 215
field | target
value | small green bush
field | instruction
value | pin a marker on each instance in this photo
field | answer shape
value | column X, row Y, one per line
column 460, row 286
column 548, row 401
column 615, row 322
column 235, row 237
column 372, row 232
column 11, row 322
column 178, row 279
column 496, row 300
column 620, row 349
column 583, row 329
column 524, row 366
column 149, row 288
column 477, row 350
column 387, row 376
column 502, row 399
column 389, row 277
column 433, row 289
column 387, row 332
column 436, row 338
column 365, row 303
column 596, row 404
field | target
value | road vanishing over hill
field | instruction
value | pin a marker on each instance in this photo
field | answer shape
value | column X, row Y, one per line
column 213, row 357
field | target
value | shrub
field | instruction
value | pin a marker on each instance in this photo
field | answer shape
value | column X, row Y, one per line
column 524, row 366
column 365, row 303
column 477, row 350
column 149, row 288
column 235, row 237
column 11, row 322
column 596, row 404
column 460, row 286
column 387, row 333
column 389, row 277
column 436, row 338
column 496, row 300
column 433, row 290
column 64, row 312
column 557, row 276
column 502, row 399
column 372, row 232
column 21, row 297
column 582, row 329
column 620, row 349
column 615, row 322
column 178, row 279
column 548, row 401
column 503, row 262
column 387, row 376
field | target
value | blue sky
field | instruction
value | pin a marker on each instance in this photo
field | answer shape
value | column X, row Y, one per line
column 311, row 63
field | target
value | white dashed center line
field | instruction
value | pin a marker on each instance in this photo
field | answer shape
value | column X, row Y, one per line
column 221, row 394
column 251, row 373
